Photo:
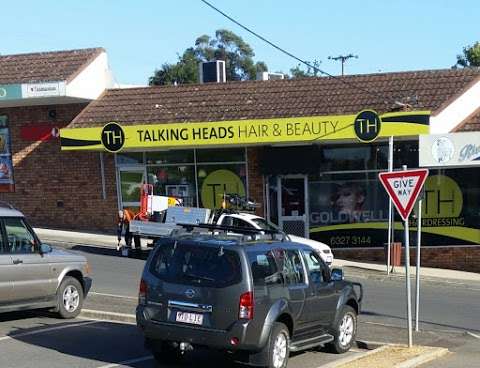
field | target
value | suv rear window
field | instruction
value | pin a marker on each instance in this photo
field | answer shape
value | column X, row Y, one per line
column 196, row 264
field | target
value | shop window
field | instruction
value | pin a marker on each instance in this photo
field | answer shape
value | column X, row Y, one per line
column 170, row 157
column 405, row 153
column 6, row 165
column 358, row 157
column 130, row 158
column 346, row 199
column 216, row 180
column 273, row 199
column 221, row 155
column 172, row 173
column 177, row 181
column 130, row 184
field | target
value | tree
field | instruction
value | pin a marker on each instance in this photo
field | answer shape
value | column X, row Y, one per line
column 470, row 57
column 300, row 72
column 183, row 72
column 227, row 46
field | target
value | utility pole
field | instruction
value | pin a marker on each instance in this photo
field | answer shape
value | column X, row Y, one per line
column 343, row 59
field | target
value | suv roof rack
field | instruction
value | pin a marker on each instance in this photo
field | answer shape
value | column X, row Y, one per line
column 248, row 234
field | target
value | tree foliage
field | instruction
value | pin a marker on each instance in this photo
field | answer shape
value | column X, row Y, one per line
column 226, row 45
column 300, row 72
column 470, row 56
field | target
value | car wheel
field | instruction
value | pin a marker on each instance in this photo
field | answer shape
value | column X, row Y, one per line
column 69, row 298
column 345, row 330
column 279, row 346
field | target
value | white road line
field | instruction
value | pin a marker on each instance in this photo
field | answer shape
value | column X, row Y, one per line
column 474, row 335
column 131, row 361
column 14, row 336
column 114, row 296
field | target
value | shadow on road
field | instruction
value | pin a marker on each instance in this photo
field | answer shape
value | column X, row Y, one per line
column 81, row 341
column 403, row 319
column 134, row 253
column 85, row 343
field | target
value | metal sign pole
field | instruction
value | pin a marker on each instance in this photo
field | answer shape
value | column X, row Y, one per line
column 390, row 169
column 407, row 278
column 419, row 242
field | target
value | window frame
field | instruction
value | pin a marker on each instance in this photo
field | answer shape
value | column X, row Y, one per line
column 323, row 267
column 304, row 269
column 28, row 227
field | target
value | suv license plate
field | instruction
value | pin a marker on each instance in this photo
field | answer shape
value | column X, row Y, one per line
column 193, row 318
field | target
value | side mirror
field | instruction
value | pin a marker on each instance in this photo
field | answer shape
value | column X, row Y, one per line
column 337, row 275
column 45, row 248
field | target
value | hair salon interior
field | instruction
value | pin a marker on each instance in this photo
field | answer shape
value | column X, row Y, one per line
column 75, row 148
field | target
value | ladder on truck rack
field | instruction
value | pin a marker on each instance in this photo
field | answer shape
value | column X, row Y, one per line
column 155, row 230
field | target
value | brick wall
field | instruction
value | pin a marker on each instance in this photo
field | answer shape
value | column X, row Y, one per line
column 255, row 179
column 58, row 189
column 454, row 258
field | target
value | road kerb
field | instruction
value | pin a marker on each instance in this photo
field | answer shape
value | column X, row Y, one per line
column 423, row 358
column 353, row 357
column 108, row 316
column 410, row 363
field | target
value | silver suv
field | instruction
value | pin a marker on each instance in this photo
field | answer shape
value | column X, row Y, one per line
column 35, row 275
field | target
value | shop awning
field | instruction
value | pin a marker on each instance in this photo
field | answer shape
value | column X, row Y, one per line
column 366, row 126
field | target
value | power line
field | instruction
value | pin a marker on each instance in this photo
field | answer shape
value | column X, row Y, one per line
column 289, row 53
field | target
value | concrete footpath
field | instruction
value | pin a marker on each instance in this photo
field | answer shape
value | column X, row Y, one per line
column 463, row 349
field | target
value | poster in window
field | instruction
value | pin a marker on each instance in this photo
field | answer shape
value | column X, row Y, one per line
column 4, row 141
column 6, row 171
column 6, row 165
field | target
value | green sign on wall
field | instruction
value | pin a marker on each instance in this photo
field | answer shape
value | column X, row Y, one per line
column 10, row 92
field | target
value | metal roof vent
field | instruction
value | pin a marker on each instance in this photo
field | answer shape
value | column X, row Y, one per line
column 269, row 76
column 212, row 72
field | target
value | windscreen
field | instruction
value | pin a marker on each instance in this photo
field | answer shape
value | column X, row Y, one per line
column 196, row 264
column 264, row 225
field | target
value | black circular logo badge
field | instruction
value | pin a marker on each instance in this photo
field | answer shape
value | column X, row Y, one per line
column 367, row 125
column 113, row 137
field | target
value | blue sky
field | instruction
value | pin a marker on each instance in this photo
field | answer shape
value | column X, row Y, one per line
column 140, row 35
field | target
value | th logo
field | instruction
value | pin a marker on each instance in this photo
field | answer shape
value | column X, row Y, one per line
column 367, row 125
column 113, row 137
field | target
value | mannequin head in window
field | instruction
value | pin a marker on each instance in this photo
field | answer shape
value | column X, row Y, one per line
column 349, row 199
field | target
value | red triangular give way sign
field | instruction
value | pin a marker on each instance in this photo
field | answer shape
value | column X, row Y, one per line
column 403, row 188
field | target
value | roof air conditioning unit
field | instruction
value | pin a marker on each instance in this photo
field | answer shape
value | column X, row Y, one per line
column 269, row 76
column 212, row 72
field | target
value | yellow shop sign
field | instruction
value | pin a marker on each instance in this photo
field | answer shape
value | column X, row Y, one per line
column 365, row 126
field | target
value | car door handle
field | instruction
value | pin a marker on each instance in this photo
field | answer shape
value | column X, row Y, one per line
column 17, row 261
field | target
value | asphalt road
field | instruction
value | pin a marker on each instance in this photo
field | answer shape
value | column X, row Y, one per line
column 444, row 304
column 37, row 339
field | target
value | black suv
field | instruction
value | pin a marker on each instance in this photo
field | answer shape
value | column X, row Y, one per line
column 258, row 300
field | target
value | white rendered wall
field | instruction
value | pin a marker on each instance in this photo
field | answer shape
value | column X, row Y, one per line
column 457, row 111
column 93, row 80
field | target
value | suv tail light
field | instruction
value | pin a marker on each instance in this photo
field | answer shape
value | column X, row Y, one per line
column 245, row 310
column 142, row 292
